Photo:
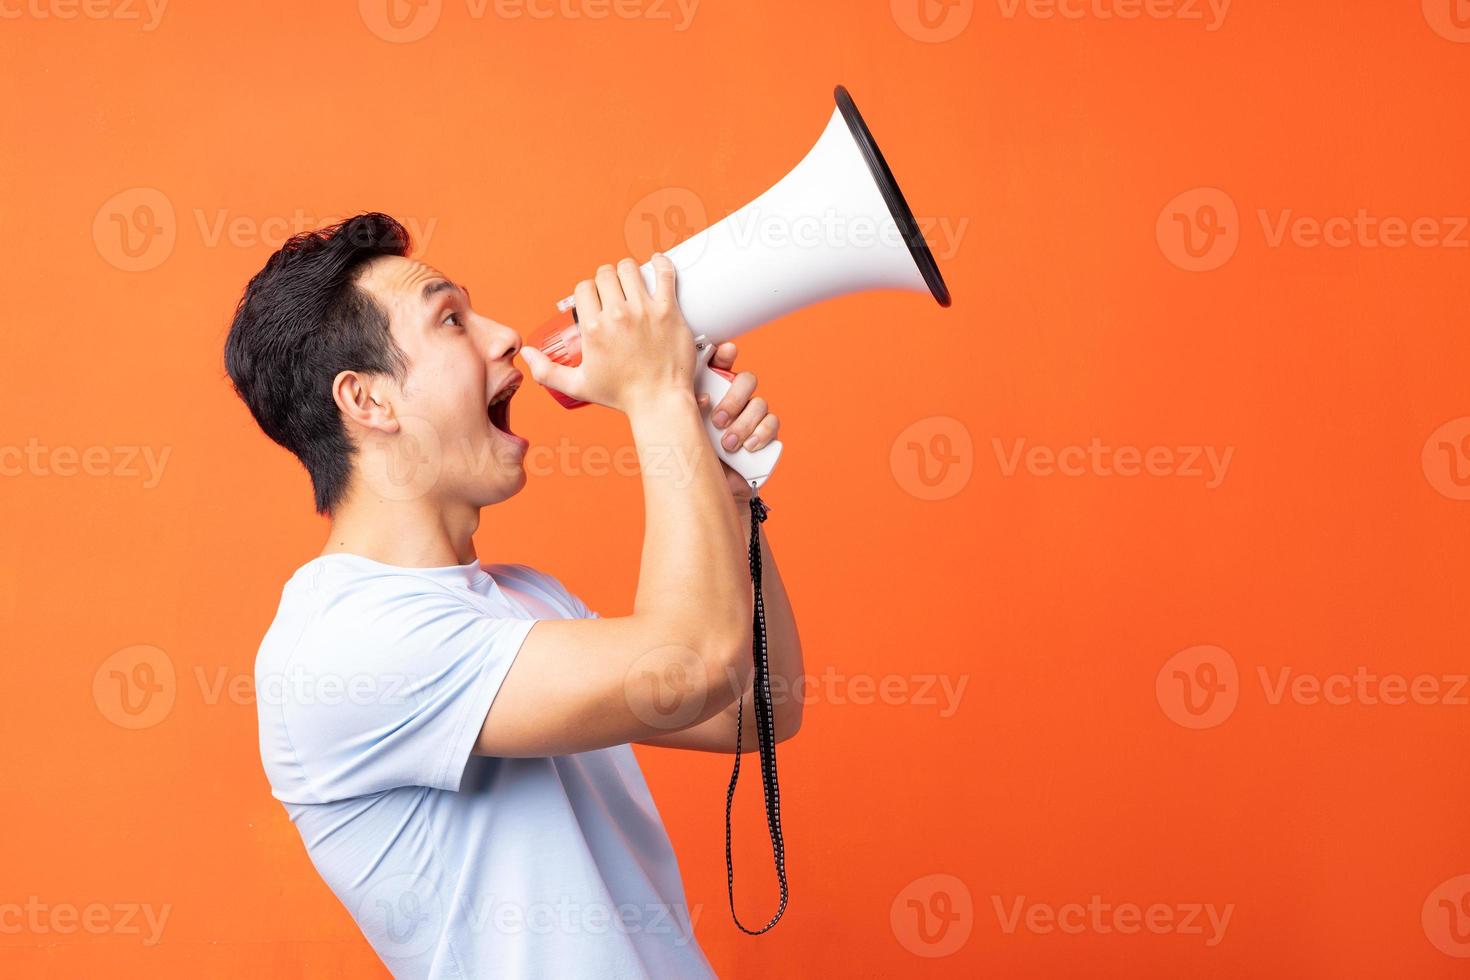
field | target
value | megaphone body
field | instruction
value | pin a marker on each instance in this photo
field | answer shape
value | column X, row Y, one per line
column 836, row 224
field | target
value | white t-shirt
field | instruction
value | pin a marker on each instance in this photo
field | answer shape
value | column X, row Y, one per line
column 372, row 685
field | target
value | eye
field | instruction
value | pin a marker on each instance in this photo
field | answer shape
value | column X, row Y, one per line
column 453, row 318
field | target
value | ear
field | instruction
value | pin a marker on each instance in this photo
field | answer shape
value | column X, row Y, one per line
column 366, row 400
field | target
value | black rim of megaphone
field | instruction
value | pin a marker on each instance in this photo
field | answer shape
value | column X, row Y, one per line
column 892, row 196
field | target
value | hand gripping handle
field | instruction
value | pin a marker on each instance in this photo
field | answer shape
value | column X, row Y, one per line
column 755, row 466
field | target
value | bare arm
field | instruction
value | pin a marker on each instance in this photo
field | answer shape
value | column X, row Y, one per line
column 749, row 418
column 578, row 685
column 783, row 649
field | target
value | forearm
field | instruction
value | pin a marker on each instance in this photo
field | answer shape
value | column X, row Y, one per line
column 693, row 573
column 783, row 649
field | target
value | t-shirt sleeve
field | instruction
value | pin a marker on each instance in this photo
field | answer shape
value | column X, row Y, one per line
column 391, row 687
column 549, row 589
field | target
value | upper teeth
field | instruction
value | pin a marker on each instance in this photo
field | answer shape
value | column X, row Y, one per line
column 504, row 394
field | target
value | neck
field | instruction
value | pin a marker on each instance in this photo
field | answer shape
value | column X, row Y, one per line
column 420, row 533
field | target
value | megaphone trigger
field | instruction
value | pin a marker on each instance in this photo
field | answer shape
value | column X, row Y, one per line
column 712, row 383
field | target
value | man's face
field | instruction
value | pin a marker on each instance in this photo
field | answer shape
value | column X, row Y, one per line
column 453, row 408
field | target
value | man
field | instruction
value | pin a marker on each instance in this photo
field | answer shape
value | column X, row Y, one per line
column 451, row 739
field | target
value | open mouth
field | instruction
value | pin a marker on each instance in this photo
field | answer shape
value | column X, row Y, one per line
column 499, row 408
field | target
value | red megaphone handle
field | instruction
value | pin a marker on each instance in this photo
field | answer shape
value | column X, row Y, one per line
column 560, row 340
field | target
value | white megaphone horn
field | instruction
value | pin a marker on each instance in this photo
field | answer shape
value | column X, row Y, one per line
column 836, row 224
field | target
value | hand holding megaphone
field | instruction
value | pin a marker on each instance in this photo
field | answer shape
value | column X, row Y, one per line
column 632, row 341
column 836, row 224
column 634, row 324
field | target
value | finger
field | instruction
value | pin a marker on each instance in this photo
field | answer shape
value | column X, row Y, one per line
column 551, row 374
column 663, row 279
column 724, row 355
column 735, row 399
column 702, row 401
column 764, row 433
column 745, row 423
column 632, row 282
column 588, row 305
column 609, row 290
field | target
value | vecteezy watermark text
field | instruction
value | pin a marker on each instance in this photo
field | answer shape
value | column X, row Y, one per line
column 1211, row 13
column 148, row 14
column 1096, row 459
column 1103, row 918
column 1201, row 686
column 406, row 21
column 1200, row 229
column 125, row 462
column 40, row 918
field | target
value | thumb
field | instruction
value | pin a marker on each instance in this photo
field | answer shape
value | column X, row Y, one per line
column 549, row 373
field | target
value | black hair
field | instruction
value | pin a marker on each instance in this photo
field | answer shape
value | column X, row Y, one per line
column 302, row 320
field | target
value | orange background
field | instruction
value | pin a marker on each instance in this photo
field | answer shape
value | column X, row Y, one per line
column 1334, row 541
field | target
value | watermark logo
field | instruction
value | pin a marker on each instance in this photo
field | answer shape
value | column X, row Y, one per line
column 1201, row 687
column 222, row 226
column 1446, row 458
column 135, row 229
column 297, row 686
column 663, row 688
column 400, row 21
column 672, row 216
column 403, row 465
column 933, row 458
column 1199, row 229
column 1198, row 687
column 662, row 219
column 404, row 915
column 1450, row 19
column 933, row 916
column 1446, row 916
column 139, row 686
column 932, row 21
column 135, row 687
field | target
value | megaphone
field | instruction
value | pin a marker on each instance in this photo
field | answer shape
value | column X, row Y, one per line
column 836, row 224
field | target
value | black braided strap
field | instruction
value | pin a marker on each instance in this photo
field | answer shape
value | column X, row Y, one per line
column 765, row 725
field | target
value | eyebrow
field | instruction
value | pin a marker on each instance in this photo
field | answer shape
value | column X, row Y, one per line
column 441, row 286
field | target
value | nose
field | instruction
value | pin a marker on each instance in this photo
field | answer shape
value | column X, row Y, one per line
column 501, row 342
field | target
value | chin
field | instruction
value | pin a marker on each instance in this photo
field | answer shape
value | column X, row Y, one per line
column 507, row 485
